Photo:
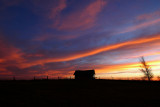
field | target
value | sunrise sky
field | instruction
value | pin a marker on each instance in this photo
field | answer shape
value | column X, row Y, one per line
column 56, row 37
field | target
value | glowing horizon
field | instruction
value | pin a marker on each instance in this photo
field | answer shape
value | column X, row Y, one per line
column 54, row 38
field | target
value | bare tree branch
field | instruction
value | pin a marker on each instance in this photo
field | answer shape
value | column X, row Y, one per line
column 146, row 69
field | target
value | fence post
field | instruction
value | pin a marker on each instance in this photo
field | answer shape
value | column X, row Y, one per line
column 14, row 78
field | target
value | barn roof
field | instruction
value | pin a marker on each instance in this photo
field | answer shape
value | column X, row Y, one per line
column 84, row 72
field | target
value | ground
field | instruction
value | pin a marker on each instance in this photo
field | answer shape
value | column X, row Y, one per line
column 72, row 93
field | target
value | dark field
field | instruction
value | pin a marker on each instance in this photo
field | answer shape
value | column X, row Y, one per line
column 71, row 93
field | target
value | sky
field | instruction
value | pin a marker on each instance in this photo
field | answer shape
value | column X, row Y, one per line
column 56, row 37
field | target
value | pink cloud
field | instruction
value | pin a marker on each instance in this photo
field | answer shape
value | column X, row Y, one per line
column 79, row 19
column 140, row 26
column 10, row 57
column 55, row 11
column 148, row 16
column 50, row 9
column 9, row 52
column 82, row 19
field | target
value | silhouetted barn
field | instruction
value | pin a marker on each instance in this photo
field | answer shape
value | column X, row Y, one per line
column 84, row 74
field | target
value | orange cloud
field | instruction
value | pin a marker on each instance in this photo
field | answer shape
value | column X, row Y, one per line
column 9, row 55
column 16, row 55
column 78, row 55
column 126, row 70
column 117, row 67
column 83, row 18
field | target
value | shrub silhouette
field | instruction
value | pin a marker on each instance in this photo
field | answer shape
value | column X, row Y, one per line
column 146, row 69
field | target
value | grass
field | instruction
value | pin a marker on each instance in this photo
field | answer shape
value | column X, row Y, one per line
column 72, row 93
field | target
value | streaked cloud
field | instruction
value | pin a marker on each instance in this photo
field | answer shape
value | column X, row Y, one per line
column 82, row 19
column 55, row 37
column 149, row 16
column 140, row 26
column 87, row 53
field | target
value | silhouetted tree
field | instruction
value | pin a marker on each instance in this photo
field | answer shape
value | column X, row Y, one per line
column 146, row 69
column 158, row 78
